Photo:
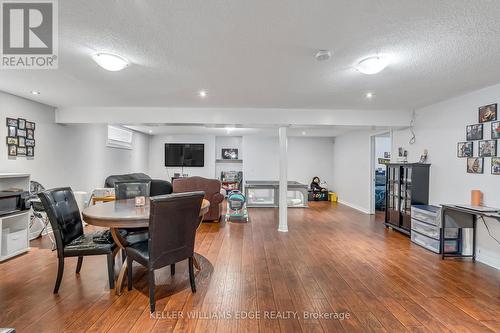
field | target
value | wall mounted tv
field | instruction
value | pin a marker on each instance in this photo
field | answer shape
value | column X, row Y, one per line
column 184, row 154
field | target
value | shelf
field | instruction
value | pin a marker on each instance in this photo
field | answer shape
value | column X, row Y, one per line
column 228, row 161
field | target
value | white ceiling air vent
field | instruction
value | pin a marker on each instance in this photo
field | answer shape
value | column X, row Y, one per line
column 323, row 55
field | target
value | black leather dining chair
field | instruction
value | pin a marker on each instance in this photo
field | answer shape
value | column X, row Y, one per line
column 173, row 221
column 64, row 216
column 130, row 190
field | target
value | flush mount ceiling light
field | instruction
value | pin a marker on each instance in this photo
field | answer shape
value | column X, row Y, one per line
column 34, row 92
column 203, row 93
column 372, row 65
column 110, row 62
column 323, row 55
column 369, row 95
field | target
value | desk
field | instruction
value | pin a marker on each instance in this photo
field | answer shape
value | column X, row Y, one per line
column 453, row 216
column 124, row 214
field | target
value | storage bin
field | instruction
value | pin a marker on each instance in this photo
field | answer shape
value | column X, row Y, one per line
column 451, row 246
column 425, row 241
column 427, row 214
column 14, row 241
column 451, row 233
column 425, row 229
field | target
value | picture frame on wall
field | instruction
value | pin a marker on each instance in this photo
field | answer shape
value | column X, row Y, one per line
column 487, row 113
column 12, row 150
column 475, row 165
column 488, row 148
column 30, row 151
column 495, row 130
column 495, row 166
column 12, row 141
column 12, row 131
column 21, row 141
column 30, row 143
column 474, row 132
column 11, row 122
column 30, row 134
column 229, row 153
column 21, row 123
column 30, row 125
column 21, row 151
column 21, row 132
column 465, row 149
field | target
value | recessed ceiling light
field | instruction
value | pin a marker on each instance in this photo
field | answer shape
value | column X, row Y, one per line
column 322, row 55
column 34, row 92
column 372, row 65
column 304, row 133
column 203, row 93
column 110, row 62
column 369, row 95
column 150, row 131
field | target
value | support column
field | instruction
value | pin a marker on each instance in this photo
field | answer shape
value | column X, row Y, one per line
column 283, row 189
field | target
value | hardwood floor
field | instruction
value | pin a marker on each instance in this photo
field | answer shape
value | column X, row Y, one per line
column 332, row 260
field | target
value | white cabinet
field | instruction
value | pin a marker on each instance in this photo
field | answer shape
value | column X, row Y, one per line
column 14, row 227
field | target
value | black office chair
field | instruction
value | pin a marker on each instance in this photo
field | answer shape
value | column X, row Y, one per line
column 173, row 222
column 64, row 216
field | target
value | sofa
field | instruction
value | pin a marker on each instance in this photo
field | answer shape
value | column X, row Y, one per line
column 158, row 186
column 211, row 187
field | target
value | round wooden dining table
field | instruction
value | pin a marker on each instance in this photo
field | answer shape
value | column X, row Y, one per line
column 125, row 214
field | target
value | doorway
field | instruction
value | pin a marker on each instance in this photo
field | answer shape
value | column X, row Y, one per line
column 381, row 146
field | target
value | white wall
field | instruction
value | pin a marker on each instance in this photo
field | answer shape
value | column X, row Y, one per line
column 439, row 128
column 307, row 157
column 260, row 157
column 89, row 161
column 45, row 167
column 68, row 155
column 351, row 169
column 310, row 157
column 157, row 167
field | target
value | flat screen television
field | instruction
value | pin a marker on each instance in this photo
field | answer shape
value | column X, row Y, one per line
column 184, row 154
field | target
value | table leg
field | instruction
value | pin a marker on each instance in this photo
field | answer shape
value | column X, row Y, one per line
column 122, row 243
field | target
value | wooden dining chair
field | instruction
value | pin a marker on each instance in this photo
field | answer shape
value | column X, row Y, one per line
column 65, row 219
column 173, row 221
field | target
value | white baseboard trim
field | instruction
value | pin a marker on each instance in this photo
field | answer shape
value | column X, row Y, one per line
column 356, row 207
column 488, row 260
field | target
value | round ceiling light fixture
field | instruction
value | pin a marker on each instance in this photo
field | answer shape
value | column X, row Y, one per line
column 203, row 93
column 34, row 92
column 372, row 65
column 369, row 95
column 110, row 62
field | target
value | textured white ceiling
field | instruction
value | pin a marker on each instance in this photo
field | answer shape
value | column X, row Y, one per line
column 259, row 53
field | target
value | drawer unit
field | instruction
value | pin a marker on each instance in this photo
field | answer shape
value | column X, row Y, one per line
column 426, row 213
column 425, row 229
column 425, row 241
column 14, row 241
column 432, row 231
